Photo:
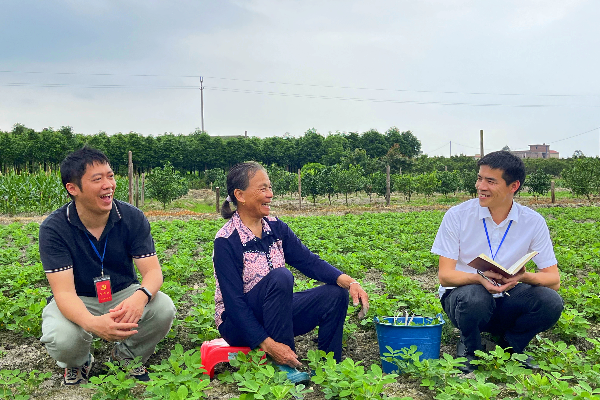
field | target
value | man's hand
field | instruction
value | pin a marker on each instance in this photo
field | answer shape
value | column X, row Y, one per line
column 359, row 295
column 281, row 353
column 133, row 308
column 106, row 327
column 504, row 286
column 516, row 278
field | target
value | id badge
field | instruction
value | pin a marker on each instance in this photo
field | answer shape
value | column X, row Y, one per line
column 103, row 289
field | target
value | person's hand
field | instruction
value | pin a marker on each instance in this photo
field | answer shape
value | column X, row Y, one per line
column 133, row 307
column 106, row 327
column 359, row 295
column 516, row 278
column 493, row 289
column 280, row 352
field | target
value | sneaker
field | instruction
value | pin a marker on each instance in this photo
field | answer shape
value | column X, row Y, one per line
column 140, row 373
column 78, row 375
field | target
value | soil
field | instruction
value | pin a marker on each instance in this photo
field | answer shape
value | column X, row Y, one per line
column 28, row 354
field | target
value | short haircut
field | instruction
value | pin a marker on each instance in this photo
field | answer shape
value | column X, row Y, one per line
column 74, row 165
column 512, row 166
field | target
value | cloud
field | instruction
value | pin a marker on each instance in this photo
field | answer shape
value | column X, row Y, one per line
column 538, row 13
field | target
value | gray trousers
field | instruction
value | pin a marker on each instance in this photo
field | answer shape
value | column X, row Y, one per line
column 70, row 345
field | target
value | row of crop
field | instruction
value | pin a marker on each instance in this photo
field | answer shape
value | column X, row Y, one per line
column 42, row 192
column 392, row 243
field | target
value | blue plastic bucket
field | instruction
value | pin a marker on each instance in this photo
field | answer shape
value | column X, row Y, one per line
column 426, row 336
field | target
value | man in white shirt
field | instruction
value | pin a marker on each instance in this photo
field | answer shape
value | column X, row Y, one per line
column 517, row 308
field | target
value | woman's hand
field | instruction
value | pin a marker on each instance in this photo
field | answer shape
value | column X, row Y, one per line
column 281, row 353
column 356, row 292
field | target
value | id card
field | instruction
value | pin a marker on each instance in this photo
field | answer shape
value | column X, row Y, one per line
column 103, row 289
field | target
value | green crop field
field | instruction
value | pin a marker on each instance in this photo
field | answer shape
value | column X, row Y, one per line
column 389, row 253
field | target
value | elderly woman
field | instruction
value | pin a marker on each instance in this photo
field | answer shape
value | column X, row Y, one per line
column 255, row 302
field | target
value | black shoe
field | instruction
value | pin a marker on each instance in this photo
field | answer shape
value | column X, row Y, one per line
column 461, row 351
column 468, row 367
column 529, row 363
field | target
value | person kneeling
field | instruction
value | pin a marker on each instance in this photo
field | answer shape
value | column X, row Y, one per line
column 88, row 248
column 516, row 308
column 255, row 303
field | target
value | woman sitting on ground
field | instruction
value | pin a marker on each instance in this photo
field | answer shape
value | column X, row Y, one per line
column 255, row 303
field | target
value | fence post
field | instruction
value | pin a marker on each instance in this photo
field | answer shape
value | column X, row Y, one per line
column 218, row 209
column 387, row 185
column 299, row 190
column 130, row 176
column 552, row 192
column 143, row 187
column 137, row 190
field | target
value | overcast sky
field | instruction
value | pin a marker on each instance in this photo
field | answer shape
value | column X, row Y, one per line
column 524, row 71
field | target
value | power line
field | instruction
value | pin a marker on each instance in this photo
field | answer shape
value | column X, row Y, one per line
column 285, row 94
column 298, row 84
column 579, row 134
column 444, row 145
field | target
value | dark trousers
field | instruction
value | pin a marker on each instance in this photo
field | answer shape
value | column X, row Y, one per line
column 516, row 319
column 285, row 314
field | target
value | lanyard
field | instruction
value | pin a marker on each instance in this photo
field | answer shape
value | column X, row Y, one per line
column 488, row 239
column 97, row 253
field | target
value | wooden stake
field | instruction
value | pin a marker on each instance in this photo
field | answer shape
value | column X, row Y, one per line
column 552, row 192
column 137, row 189
column 387, row 185
column 130, row 176
column 299, row 190
column 143, row 187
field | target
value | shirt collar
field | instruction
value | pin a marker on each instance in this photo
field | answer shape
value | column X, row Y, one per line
column 513, row 214
column 245, row 233
column 73, row 217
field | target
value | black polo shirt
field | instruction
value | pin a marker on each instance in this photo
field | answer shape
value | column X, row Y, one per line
column 65, row 243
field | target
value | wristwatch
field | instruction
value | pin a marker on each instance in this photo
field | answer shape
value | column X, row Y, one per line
column 146, row 292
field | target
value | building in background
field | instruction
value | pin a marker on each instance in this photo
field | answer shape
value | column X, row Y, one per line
column 537, row 151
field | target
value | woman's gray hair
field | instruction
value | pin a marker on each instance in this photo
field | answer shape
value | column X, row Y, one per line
column 238, row 178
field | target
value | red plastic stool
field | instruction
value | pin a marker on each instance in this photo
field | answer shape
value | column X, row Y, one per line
column 216, row 351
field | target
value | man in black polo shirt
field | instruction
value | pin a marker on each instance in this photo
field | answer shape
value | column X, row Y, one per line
column 88, row 248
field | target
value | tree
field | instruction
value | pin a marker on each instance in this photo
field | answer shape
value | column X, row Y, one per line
column 506, row 148
column 280, row 180
column 329, row 179
column 396, row 160
column 165, row 184
column 335, row 147
column 426, row 184
column 379, row 183
column 350, row 180
column 216, row 177
column 538, row 183
column 311, row 180
column 405, row 184
column 468, row 179
column 408, row 143
column 374, row 143
column 582, row 178
column 449, row 182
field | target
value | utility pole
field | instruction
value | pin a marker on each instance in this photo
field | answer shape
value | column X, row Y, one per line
column 202, row 102
column 451, row 148
column 481, row 143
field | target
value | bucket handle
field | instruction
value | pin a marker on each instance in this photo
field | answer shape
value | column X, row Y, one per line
column 438, row 316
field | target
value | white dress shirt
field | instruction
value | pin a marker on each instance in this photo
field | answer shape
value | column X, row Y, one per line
column 462, row 237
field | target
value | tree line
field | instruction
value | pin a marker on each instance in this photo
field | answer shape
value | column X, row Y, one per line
column 23, row 148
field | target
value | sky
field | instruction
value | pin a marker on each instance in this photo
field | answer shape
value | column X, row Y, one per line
column 523, row 71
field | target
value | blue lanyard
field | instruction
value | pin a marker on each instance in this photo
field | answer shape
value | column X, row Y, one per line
column 97, row 253
column 488, row 239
